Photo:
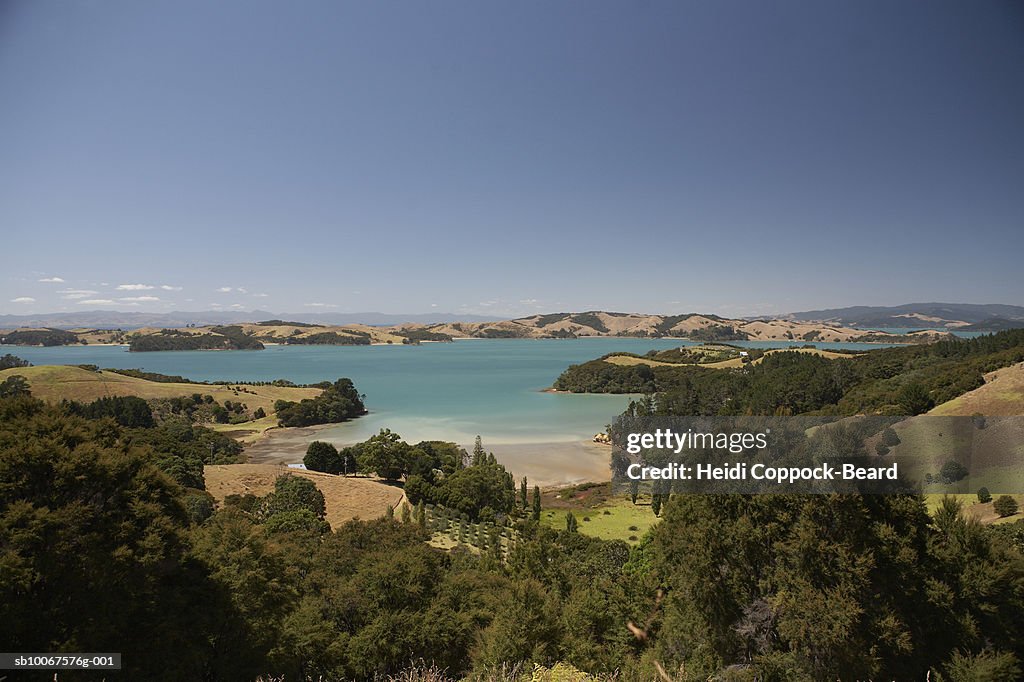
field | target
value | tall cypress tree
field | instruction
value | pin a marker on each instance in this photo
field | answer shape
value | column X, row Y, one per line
column 421, row 514
column 570, row 522
column 536, row 503
column 478, row 451
column 495, row 547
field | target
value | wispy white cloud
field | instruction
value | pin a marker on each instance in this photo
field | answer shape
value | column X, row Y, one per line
column 96, row 301
column 52, row 279
column 139, row 299
column 241, row 290
column 168, row 287
column 23, row 299
column 226, row 290
column 320, row 305
column 135, row 287
column 73, row 294
column 517, row 307
column 261, row 295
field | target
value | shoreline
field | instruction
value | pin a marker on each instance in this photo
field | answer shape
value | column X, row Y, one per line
column 545, row 463
column 895, row 341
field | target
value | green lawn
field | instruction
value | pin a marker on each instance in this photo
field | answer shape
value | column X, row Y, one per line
column 614, row 520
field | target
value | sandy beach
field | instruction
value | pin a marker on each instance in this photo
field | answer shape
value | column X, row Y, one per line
column 556, row 464
column 544, row 463
column 283, row 445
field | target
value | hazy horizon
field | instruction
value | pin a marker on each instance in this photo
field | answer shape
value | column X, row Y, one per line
column 509, row 159
column 111, row 318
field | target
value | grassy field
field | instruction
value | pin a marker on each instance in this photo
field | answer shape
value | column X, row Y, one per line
column 631, row 360
column 983, row 513
column 617, row 518
column 1002, row 395
column 246, row 432
column 54, row 383
column 613, row 521
column 347, row 497
column 611, row 517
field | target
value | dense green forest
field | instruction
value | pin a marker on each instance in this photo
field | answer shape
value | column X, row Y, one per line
column 902, row 380
column 226, row 338
column 339, row 402
column 283, row 323
column 39, row 337
column 9, row 361
column 730, row 587
column 435, row 472
column 718, row 333
column 350, row 338
column 387, row 455
column 418, row 335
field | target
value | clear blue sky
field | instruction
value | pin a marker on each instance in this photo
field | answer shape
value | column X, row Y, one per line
column 510, row 157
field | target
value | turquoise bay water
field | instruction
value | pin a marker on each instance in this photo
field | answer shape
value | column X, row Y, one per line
column 449, row 391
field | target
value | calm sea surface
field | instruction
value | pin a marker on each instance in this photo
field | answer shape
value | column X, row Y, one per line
column 449, row 391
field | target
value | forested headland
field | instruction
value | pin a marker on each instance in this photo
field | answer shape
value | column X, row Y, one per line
column 220, row 338
column 255, row 405
column 905, row 380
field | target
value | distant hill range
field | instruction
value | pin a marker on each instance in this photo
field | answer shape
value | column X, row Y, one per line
column 253, row 335
column 110, row 319
column 959, row 316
